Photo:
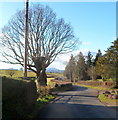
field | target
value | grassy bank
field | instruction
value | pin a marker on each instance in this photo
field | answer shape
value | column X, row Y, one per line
column 107, row 100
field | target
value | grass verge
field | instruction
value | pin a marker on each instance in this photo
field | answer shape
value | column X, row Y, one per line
column 41, row 101
column 93, row 87
column 107, row 100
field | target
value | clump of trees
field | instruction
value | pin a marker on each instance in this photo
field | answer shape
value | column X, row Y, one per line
column 104, row 66
column 107, row 65
column 47, row 37
column 81, row 67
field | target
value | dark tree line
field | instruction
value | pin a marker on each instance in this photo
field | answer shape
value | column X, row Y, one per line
column 102, row 67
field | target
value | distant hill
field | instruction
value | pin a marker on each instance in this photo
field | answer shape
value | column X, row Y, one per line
column 54, row 70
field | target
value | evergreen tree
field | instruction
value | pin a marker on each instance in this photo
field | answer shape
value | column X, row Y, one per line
column 102, row 67
column 107, row 65
column 70, row 69
column 99, row 54
column 81, row 67
column 112, row 55
column 89, row 64
column 89, row 59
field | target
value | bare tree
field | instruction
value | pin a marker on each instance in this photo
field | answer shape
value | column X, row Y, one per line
column 47, row 37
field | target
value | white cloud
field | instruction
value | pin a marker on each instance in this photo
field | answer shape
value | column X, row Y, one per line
column 7, row 66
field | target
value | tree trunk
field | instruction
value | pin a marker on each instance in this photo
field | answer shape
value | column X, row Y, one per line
column 71, row 77
column 42, row 78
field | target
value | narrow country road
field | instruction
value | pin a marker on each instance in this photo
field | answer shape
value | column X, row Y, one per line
column 81, row 102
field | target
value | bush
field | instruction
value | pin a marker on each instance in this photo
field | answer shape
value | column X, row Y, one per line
column 62, row 86
column 44, row 90
column 19, row 98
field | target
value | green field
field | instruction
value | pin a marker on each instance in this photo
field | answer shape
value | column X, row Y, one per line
column 17, row 74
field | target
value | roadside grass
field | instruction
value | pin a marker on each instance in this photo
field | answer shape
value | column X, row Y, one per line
column 97, row 88
column 105, row 99
column 41, row 101
column 94, row 80
column 100, row 80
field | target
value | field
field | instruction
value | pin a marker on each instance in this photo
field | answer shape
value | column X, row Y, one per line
column 19, row 73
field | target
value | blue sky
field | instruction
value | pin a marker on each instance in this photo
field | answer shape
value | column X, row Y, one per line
column 94, row 23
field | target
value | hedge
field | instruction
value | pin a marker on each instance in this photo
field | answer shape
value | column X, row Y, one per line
column 18, row 98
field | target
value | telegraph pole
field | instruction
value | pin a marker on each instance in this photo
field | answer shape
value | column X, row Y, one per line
column 26, row 39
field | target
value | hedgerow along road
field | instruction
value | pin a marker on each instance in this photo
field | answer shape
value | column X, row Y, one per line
column 81, row 102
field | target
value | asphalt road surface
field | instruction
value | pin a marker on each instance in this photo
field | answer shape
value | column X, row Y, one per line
column 81, row 102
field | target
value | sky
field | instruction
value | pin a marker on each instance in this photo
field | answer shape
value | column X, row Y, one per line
column 94, row 23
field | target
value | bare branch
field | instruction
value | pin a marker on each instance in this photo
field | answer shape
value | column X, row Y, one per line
column 47, row 38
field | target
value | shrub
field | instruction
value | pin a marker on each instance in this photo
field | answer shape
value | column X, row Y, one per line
column 62, row 86
column 44, row 90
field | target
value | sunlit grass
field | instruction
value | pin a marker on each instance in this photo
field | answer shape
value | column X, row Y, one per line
column 97, row 88
column 17, row 73
column 42, row 101
column 103, row 98
column 100, row 80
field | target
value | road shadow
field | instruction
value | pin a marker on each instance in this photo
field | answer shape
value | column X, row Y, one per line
column 114, row 107
column 81, row 111
column 73, row 105
column 78, row 88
